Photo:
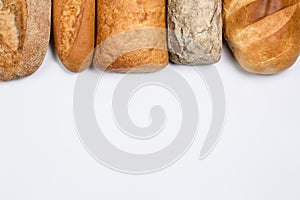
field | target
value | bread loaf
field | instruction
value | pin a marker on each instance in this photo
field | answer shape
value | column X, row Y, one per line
column 74, row 32
column 195, row 31
column 264, row 36
column 24, row 36
column 131, row 36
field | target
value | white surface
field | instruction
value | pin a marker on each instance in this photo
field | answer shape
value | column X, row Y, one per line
column 258, row 156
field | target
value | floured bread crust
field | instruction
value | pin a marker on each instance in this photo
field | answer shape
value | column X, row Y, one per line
column 195, row 31
column 13, row 22
column 24, row 36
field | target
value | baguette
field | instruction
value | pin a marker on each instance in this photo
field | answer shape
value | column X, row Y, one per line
column 74, row 32
column 195, row 31
column 264, row 36
column 131, row 36
column 24, row 36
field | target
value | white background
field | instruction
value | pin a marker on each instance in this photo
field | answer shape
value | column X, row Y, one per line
column 258, row 156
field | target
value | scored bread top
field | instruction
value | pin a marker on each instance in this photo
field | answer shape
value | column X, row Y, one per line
column 13, row 22
column 247, row 12
column 74, row 32
column 22, row 54
column 264, row 35
column 71, row 17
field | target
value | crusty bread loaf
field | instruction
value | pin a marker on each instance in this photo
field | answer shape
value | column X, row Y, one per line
column 263, row 35
column 74, row 32
column 195, row 31
column 24, row 36
column 131, row 36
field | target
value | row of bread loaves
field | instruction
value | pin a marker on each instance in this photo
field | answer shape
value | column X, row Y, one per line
column 135, row 36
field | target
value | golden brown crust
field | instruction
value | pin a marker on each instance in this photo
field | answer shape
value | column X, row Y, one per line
column 13, row 24
column 74, row 29
column 263, row 35
column 23, row 23
column 70, row 20
column 124, row 21
column 140, row 61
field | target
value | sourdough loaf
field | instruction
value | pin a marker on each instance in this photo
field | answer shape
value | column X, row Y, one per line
column 24, row 36
column 195, row 31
